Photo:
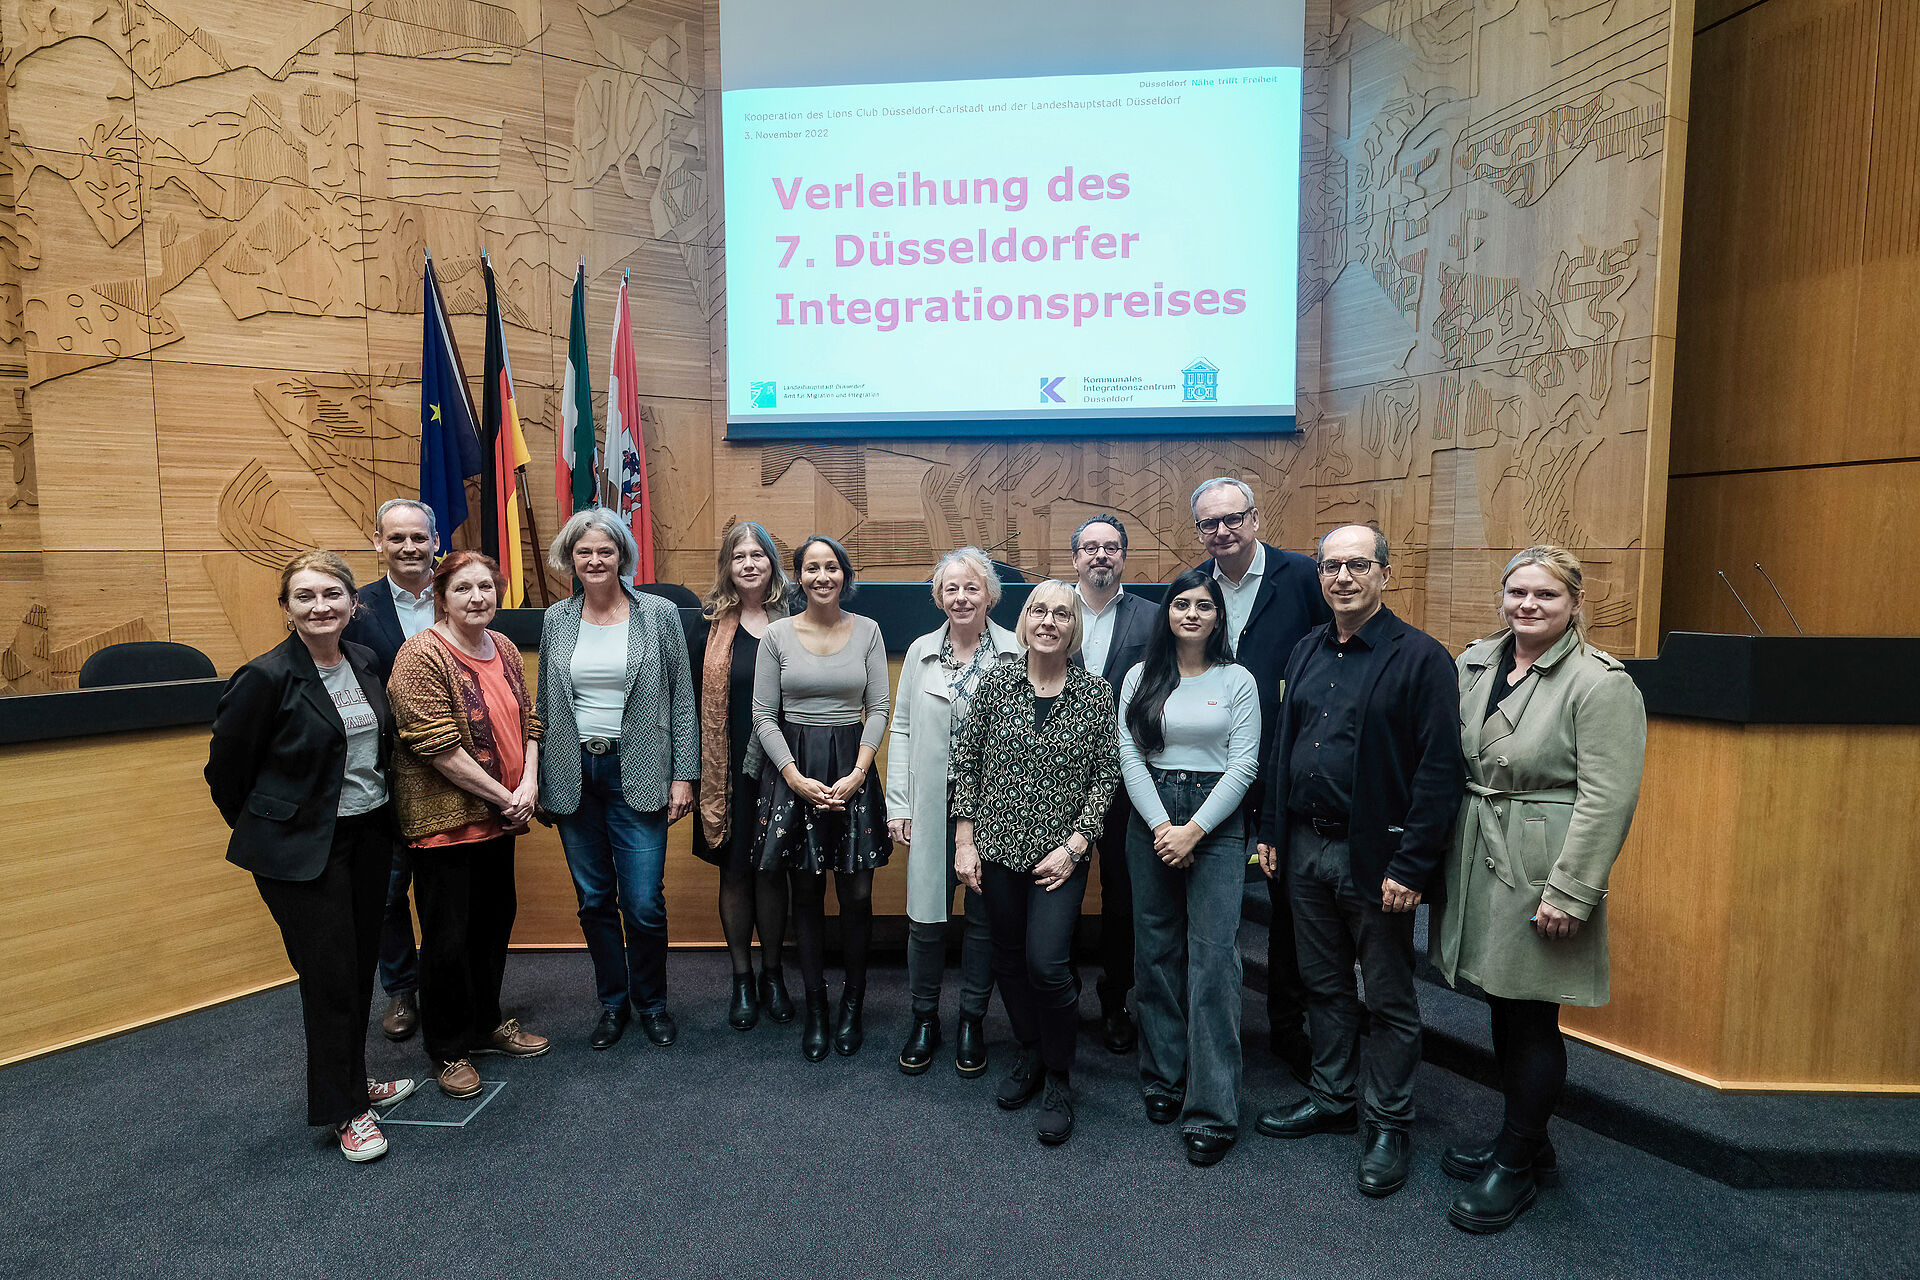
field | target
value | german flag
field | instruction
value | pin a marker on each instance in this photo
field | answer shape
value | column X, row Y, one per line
column 506, row 454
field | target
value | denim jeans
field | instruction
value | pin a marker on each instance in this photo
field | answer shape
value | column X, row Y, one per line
column 1187, row 974
column 1032, row 938
column 618, row 860
column 927, row 953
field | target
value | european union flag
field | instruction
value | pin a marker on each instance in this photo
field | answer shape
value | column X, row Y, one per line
column 449, row 443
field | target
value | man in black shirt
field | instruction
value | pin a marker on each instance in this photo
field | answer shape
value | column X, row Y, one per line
column 1362, row 792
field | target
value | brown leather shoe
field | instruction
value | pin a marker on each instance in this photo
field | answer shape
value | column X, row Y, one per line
column 402, row 1017
column 458, row 1079
column 510, row 1039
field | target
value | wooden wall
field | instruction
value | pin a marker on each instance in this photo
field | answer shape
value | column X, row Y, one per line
column 1796, row 421
column 212, row 218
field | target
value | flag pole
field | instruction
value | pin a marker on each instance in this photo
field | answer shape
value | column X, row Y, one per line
column 533, row 532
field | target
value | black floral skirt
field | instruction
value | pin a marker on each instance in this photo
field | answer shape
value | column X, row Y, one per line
column 792, row 833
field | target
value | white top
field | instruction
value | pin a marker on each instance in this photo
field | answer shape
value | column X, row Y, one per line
column 416, row 611
column 1099, row 638
column 363, row 789
column 600, row 679
column 1211, row 723
column 1240, row 598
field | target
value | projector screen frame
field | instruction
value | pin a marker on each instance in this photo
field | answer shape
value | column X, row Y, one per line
column 782, row 430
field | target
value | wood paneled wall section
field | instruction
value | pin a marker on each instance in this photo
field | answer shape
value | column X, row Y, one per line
column 1796, row 422
column 214, row 216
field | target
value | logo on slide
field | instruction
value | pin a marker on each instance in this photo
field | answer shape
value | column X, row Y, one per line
column 1050, row 390
column 763, row 395
column 1202, row 381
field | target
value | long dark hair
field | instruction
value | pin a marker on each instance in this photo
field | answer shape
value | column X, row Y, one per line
column 1160, row 667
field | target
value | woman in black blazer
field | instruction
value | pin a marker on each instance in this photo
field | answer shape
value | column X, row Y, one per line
column 298, row 768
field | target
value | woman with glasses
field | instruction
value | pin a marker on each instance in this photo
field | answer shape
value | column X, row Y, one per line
column 1189, row 748
column 1555, row 734
column 1034, row 769
column 819, row 710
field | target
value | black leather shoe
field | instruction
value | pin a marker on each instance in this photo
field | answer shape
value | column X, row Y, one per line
column 744, row 1012
column 1120, row 1035
column 1025, row 1080
column 922, row 1040
column 1163, row 1108
column 970, row 1049
column 1305, row 1118
column 847, row 1034
column 1208, row 1148
column 813, row 1036
column 612, row 1025
column 1468, row 1163
column 1493, row 1202
column 1384, row 1161
column 1291, row 1046
column 659, row 1027
column 773, row 994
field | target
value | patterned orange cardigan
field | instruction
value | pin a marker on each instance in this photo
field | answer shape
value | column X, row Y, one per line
column 436, row 708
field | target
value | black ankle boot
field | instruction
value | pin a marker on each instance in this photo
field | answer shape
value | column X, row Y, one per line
column 813, row 1037
column 922, row 1040
column 745, row 1010
column 847, row 1035
column 1493, row 1202
column 773, row 994
column 970, row 1048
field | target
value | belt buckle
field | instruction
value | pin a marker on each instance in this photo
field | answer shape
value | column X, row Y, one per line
column 597, row 746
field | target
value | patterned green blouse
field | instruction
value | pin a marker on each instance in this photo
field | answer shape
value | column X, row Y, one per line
column 1027, row 792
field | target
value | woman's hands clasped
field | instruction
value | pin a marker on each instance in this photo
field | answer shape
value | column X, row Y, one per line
column 817, row 794
column 518, row 809
column 1174, row 845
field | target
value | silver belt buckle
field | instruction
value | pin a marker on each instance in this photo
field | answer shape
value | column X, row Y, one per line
column 597, row 746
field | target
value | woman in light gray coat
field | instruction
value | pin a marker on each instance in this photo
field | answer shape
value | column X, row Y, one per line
column 1554, row 733
column 937, row 680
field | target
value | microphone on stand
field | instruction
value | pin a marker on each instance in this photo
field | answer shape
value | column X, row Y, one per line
column 1782, row 599
column 1757, row 628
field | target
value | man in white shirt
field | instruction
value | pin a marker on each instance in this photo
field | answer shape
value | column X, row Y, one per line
column 392, row 610
column 1117, row 627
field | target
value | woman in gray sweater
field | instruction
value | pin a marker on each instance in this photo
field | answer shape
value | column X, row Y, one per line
column 1189, row 748
column 819, row 711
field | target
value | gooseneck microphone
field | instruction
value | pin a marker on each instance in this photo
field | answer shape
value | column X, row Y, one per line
column 1782, row 599
column 1757, row 628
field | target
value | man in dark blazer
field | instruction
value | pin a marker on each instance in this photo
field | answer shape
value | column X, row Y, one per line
column 1363, row 790
column 394, row 608
column 1117, row 626
column 1273, row 599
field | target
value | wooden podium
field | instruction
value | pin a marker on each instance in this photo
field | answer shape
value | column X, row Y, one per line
column 1765, row 914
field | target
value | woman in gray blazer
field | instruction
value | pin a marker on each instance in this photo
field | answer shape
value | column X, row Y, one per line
column 1554, row 733
column 615, row 685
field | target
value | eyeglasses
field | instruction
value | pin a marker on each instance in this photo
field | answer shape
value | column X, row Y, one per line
column 1359, row 567
column 1059, row 613
column 1233, row 520
column 1111, row 548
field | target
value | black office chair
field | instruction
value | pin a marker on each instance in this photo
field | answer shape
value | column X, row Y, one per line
column 673, row 593
column 144, row 662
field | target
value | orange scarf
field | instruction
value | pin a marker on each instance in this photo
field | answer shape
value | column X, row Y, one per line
column 716, row 778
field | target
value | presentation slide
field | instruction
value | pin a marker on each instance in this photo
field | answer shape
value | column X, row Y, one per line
column 1070, row 254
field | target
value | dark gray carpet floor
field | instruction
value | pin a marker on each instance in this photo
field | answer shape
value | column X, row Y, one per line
column 179, row 1151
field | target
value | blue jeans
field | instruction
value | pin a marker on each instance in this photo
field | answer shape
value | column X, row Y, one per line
column 618, row 859
column 399, row 958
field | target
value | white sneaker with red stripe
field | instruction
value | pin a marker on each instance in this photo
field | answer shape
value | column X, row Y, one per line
column 384, row 1093
column 361, row 1139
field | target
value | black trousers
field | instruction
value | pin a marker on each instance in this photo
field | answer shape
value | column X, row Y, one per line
column 1032, row 947
column 1286, row 991
column 1531, row 1056
column 1116, row 907
column 331, row 927
column 467, row 904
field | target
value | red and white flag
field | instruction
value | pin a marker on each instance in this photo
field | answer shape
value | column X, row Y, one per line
column 626, row 451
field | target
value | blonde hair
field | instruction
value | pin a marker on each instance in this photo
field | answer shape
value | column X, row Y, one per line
column 974, row 560
column 1565, row 568
column 725, row 597
column 330, row 563
column 1049, row 593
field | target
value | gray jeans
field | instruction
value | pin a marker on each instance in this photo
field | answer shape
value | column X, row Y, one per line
column 927, row 953
column 1186, row 965
column 1334, row 923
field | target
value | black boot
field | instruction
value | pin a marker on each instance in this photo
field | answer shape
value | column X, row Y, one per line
column 813, row 1037
column 745, row 1010
column 970, row 1049
column 922, row 1040
column 773, row 994
column 1492, row 1203
column 847, row 1035
column 1468, row 1163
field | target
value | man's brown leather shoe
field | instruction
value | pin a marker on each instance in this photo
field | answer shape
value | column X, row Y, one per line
column 510, row 1039
column 402, row 1017
column 458, row 1079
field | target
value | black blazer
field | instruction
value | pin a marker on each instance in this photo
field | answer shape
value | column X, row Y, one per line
column 279, row 755
column 376, row 624
column 1287, row 606
column 1132, row 624
column 1408, row 770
